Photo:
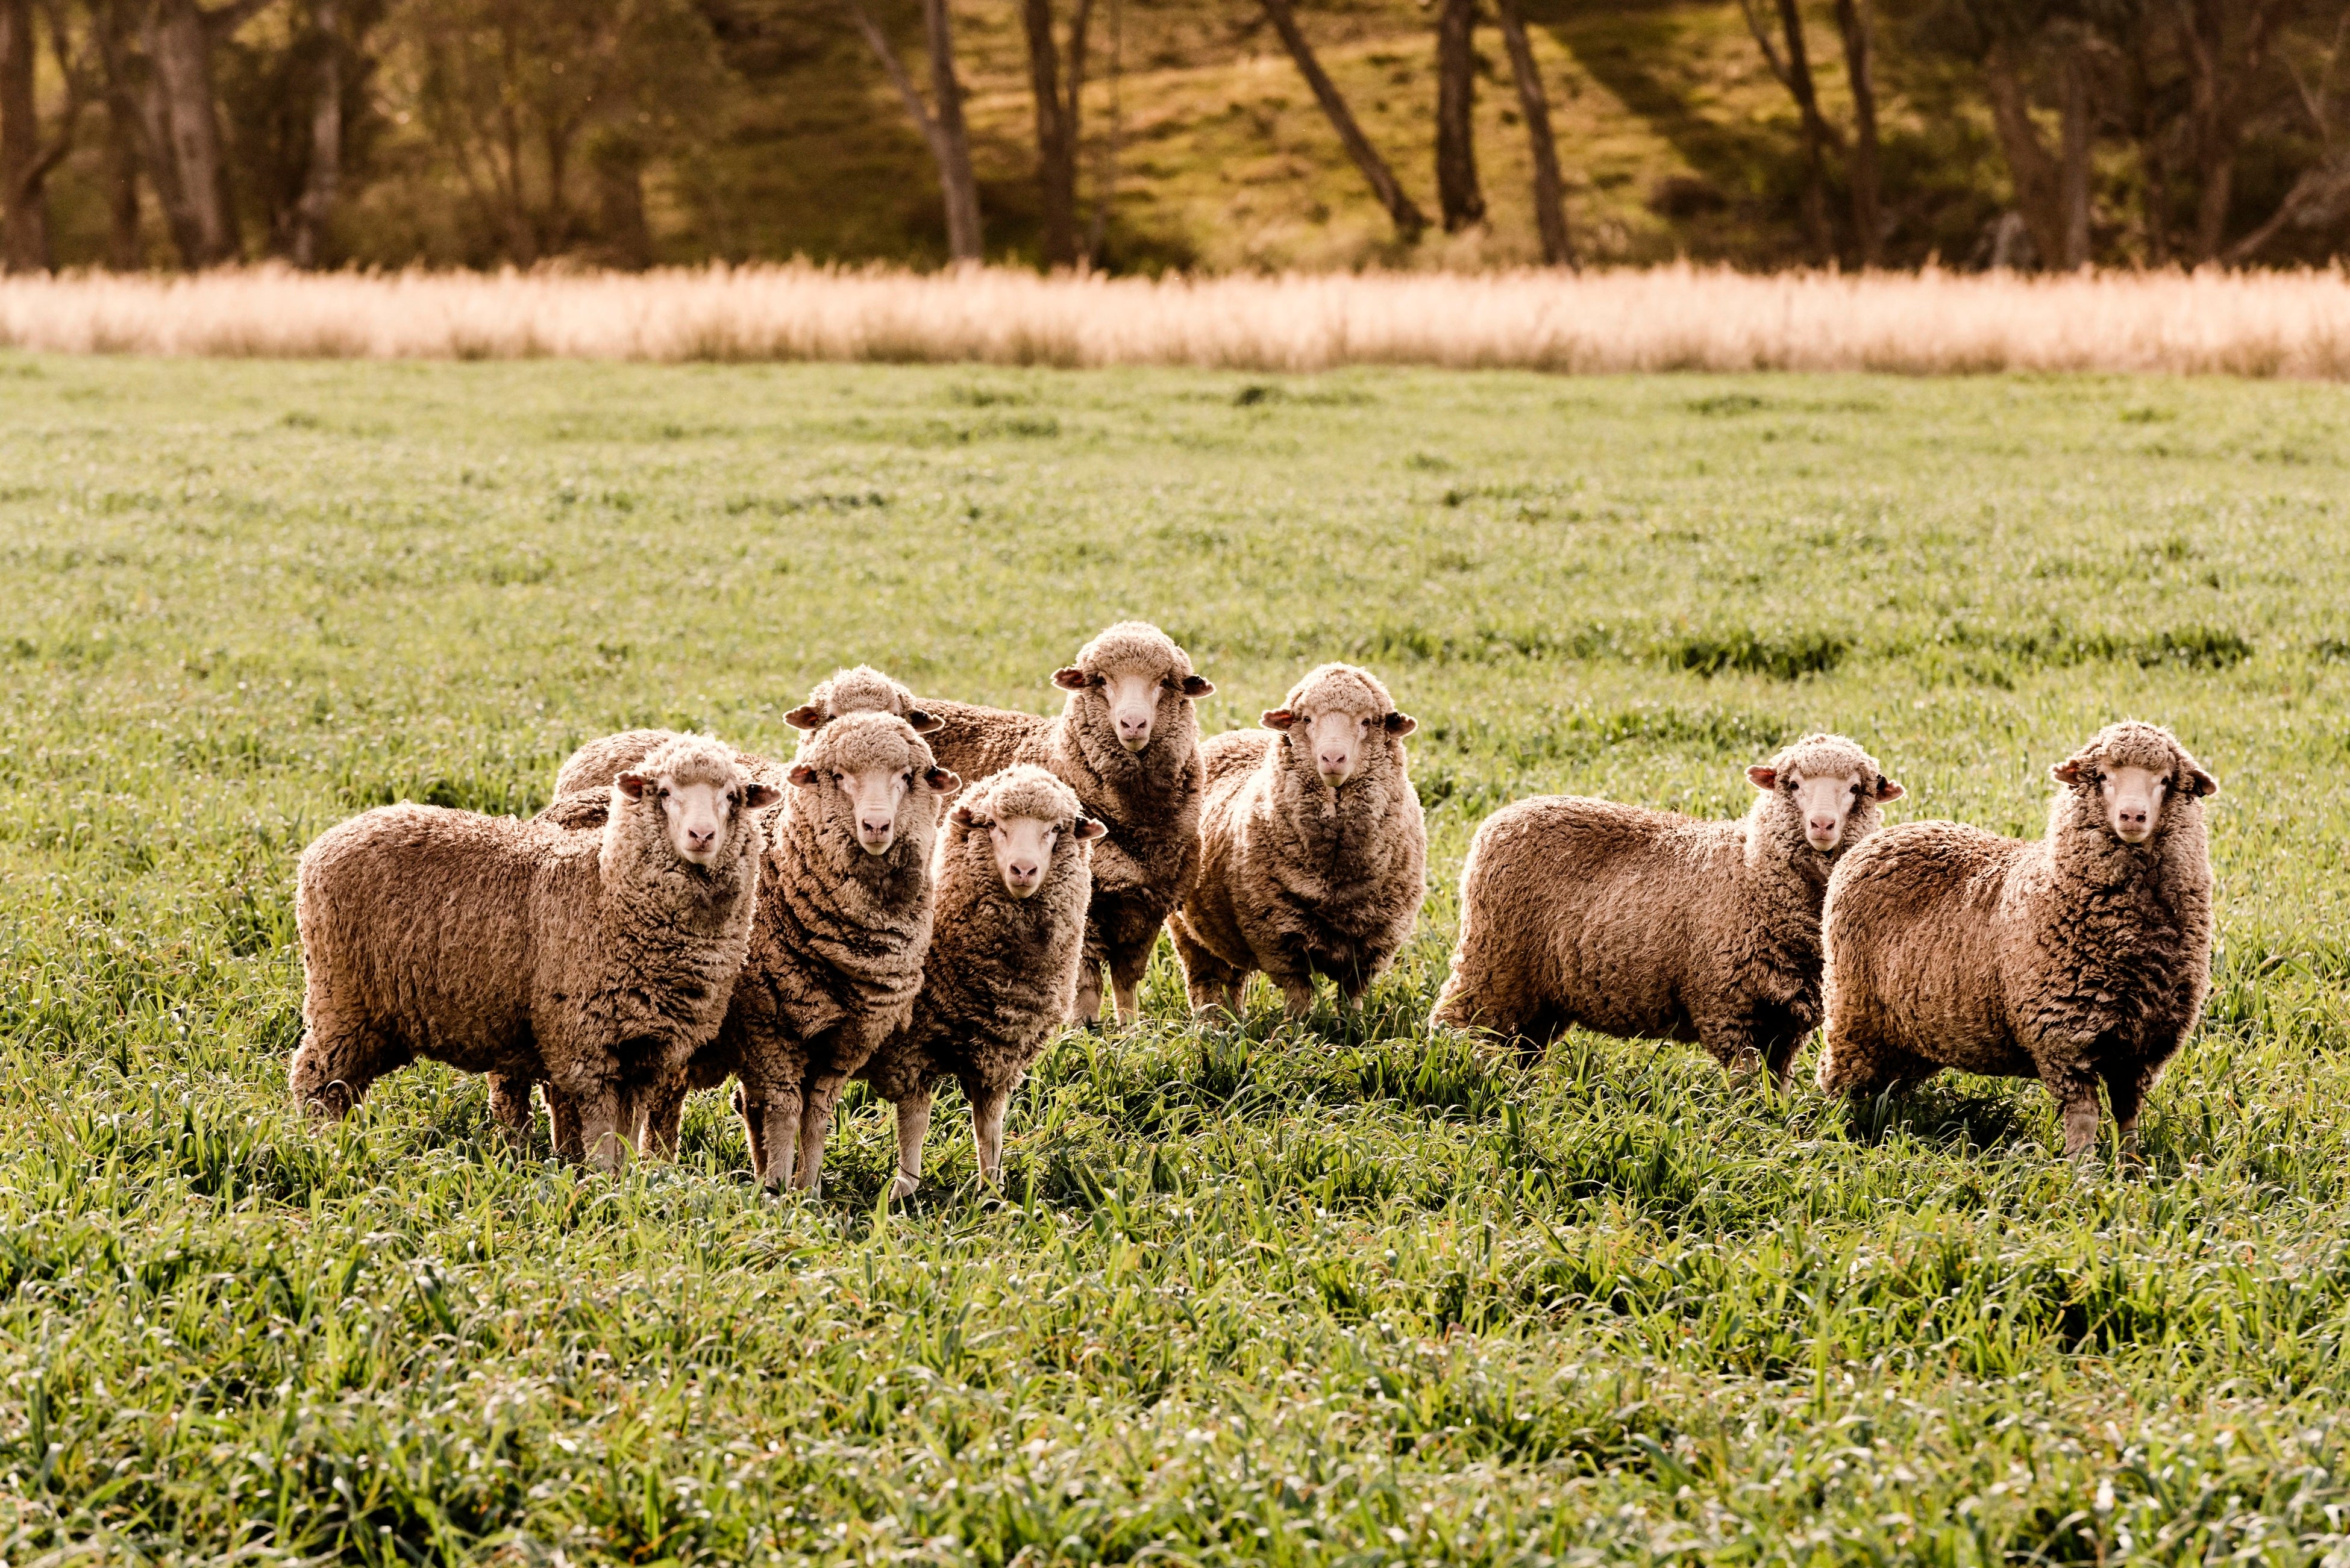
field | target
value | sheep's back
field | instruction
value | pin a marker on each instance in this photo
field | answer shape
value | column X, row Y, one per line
column 598, row 761
column 975, row 742
column 422, row 918
column 1232, row 756
column 1912, row 933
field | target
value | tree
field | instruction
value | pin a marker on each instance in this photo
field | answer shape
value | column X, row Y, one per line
column 1457, row 195
column 943, row 129
column 1058, row 124
column 28, row 154
column 186, row 158
column 1863, row 169
column 1794, row 73
column 323, row 181
column 1410, row 221
column 1533, row 106
column 2051, row 190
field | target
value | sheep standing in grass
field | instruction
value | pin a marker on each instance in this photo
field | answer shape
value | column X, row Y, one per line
column 1012, row 881
column 597, row 962
column 1645, row 923
column 1128, row 740
column 2078, row 957
column 863, row 690
column 835, row 958
column 1314, row 857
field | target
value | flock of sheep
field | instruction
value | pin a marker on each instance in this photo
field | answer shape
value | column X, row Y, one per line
column 684, row 913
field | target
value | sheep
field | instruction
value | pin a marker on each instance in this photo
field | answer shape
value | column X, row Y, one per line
column 863, row 690
column 1646, row 923
column 597, row 961
column 1014, row 875
column 2080, row 957
column 1128, row 740
column 1314, row 856
column 836, row 954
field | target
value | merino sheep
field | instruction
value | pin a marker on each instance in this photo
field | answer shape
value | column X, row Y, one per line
column 837, row 949
column 1012, row 879
column 863, row 690
column 597, row 962
column 1313, row 854
column 1645, row 923
column 1128, row 740
column 2076, row 958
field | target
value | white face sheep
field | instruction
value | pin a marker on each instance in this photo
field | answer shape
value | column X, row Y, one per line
column 1129, row 694
column 1313, row 849
column 1643, row 923
column 863, row 690
column 1024, row 846
column 699, row 813
column 873, row 796
column 2080, row 958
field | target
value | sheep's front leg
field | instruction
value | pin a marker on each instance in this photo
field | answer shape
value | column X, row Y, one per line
column 510, row 1106
column 913, row 1127
column 771, row 1121
column 563, row 1124
column 663, row 1111
column 601, row 1128
column 2074, row 1089
column 1087, row 1009
column 1297, row 994
column 816, row 1128
column 988, row 1103
column 2128, row 1099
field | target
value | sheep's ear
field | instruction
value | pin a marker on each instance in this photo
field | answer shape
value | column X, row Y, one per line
column 2068, row 772
column 1401, row 723
column 2201, row 782
column 1277, row 719
column 803, row 775
column 631, row 785
column 1763, row 775
column 924, row 721
column 1198, row 686
column 965, row 817
column 1069, row 678
column 1090, row 828
column 946, row 781
column 807, row 716
column 760, row 796
column 1888, row 790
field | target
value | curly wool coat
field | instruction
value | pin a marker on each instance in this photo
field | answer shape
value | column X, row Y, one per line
column 836, row 954
column 1645, row 924
column 2075, row 958
column 1148, row 800
column 598, row 962
column 1297, row 878
column 1002, row 972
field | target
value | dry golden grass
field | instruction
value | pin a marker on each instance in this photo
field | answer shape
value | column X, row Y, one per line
column 1680, row 317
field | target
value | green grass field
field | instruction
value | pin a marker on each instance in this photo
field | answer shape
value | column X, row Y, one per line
column 1275, row 1293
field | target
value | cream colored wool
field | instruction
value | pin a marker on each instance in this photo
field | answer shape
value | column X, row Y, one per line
column 598, row 962
column 1001, row 973
column 1149, row 800
column 1649, row 924
column 2075, row 958
column 1297, row 878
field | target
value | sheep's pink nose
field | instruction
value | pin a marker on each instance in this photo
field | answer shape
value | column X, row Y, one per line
column 1823, row 826
column 701, row 837
column 1023, row 871
column 2133, row 819
column 874, row 826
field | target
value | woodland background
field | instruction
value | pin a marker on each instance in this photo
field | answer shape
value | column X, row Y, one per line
column 1148, row 135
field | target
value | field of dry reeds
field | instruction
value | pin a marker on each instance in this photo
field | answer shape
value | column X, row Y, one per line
column 1680, row 317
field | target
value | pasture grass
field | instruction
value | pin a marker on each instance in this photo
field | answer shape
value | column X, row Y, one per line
column 1299, row 1293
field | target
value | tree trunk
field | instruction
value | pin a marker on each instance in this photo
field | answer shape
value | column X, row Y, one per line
column 184, row 119
column 955, row 175
column 619, row 161
column 1815, row 133
column 1457, row 195
column 2037, row 197
column 943, row 132
column 1867, row 182
column 126, row 248
column 326, row 172
column 1533, row 104
column 2154, row 170
column 2218, row 83
column 2075, row 126
column 1407, row 218
column 25, row 229
column 1058, row 135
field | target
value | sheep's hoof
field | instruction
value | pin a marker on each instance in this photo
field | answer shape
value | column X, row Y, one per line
column 903, row 1187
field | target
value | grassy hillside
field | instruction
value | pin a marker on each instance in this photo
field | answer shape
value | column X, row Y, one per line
column 1280, row 1292
column 1675, row 138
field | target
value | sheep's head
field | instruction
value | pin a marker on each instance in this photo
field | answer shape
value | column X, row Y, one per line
column 863, row 690
column 1827, row 786
column 701, row 793
column 1335, row 717
column 1137, row 679
column 863, row 768
column 1025, row 814
column 2126, row 776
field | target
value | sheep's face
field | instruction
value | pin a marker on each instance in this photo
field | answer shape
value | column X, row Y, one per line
column 2131, row 781
column 1825, row 802
column 1132, row 697
column 699, row 814
column 1023, row 847
column 1335, row 741
column 871, row 799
